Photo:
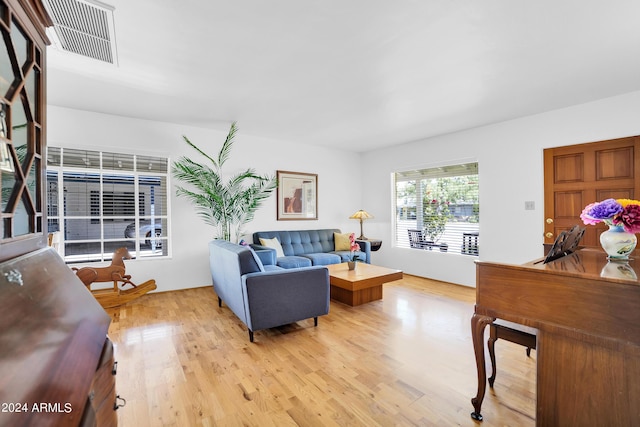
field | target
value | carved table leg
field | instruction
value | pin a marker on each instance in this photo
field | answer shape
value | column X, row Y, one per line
column 478, row 323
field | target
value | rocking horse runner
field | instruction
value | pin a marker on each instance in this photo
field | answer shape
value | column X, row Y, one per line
column 116, row 273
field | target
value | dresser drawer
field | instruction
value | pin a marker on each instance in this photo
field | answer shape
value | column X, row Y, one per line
column 105, row 410
column 101, row 409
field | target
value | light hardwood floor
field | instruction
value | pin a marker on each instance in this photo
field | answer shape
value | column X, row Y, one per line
column 406, row 360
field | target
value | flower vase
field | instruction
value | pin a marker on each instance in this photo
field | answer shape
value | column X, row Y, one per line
column 352, row 265
column 617, row 243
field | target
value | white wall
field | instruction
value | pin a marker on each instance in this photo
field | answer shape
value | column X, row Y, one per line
column 511, row 172
column 339, row 188
column 510, row 157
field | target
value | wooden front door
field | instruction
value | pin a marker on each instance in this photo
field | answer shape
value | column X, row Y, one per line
column 577, row 175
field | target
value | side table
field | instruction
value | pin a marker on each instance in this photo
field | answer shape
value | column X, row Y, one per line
column 375, row 244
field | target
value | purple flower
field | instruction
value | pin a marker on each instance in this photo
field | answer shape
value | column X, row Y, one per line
column 584, row 216
column 629, row 218
column 606, row 209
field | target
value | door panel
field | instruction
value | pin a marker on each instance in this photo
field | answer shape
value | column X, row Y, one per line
column 577, row 175
column 614, row 164
column 569, row 168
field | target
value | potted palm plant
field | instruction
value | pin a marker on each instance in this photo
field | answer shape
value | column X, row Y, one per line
column 225, row 204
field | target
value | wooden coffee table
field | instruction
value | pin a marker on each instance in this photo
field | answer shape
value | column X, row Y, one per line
column 359, row 286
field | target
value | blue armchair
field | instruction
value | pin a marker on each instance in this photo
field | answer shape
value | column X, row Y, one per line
column 266, row 296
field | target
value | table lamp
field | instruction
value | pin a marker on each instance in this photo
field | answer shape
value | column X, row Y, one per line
column 361, row 215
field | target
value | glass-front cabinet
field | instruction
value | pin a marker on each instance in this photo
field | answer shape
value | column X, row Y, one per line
column 22, row 127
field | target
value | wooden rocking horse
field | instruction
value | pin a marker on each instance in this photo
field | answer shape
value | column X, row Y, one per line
column 115, row 273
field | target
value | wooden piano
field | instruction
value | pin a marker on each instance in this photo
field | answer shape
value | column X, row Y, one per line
column 587, row 312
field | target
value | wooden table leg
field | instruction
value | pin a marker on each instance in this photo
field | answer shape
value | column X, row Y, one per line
column 478, row 323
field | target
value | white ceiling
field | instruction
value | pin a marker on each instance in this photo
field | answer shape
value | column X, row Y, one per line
column 354, row 74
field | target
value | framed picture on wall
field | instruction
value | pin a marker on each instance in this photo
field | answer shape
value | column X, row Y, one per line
column 297, row 195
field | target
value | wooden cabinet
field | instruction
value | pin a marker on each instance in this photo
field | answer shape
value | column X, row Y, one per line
column 22, row 126
column 56, row 363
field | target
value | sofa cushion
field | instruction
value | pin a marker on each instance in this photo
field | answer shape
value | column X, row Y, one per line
column 274, row 244
column 294, row 262
column 323, row 258
column 342, row 241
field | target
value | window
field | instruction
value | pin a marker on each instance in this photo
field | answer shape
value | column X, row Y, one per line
column 122, row 203
column 101, row 201
column 442, row 203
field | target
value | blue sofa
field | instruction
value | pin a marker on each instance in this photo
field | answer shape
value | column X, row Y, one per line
column 266, row 296
column 304, row 248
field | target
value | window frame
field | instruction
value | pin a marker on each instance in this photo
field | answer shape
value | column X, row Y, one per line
column 414, row 212
column 133, row 171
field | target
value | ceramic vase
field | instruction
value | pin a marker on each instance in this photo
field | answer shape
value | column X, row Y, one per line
column 617, row 243
column 352, row 265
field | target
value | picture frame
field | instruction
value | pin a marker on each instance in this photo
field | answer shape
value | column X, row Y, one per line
column 297, row 196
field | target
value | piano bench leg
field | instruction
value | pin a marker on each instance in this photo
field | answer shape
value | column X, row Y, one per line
column 492, row 354
column 497, row 332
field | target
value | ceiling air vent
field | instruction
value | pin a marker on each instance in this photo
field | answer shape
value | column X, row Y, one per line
column 84, row 27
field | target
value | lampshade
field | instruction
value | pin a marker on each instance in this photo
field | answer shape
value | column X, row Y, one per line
column 361, row 215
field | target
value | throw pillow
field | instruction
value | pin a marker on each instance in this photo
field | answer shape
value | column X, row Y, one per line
column 273, row 243
column 342, row 241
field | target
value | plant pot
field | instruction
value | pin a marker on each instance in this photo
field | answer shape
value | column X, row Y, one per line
column 444, row 247
column 352, row 265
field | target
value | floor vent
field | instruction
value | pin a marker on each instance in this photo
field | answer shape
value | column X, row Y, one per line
column 84, row 27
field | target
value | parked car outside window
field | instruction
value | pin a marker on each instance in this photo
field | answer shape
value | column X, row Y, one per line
column 148, row 233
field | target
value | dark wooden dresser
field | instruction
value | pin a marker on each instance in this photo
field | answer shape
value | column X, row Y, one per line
column 57, row 365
